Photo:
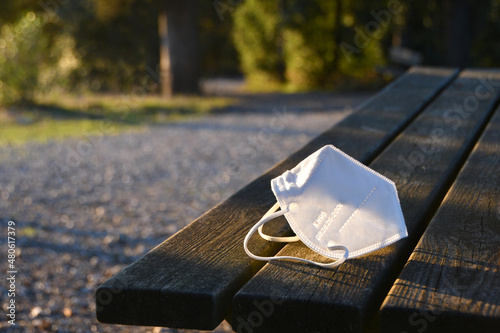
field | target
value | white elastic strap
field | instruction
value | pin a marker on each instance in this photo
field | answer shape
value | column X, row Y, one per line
column 271, row 214
column 267, row 218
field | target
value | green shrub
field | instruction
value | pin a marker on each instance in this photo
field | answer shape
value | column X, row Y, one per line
column 33, row 61
column 21, row 52
column 309, row 42
column 256, row 34
column 301, row 40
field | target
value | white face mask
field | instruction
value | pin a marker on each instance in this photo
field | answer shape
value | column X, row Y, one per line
column 337, row 206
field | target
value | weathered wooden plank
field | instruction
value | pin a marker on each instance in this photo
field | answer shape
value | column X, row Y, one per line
column 422, row 161
column 189, row 280
column 451, row 283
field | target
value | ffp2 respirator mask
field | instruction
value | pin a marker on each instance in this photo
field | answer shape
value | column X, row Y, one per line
column 336, row 206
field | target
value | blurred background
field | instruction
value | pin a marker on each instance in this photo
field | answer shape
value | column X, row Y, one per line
column 119, row 119
column 153, row 47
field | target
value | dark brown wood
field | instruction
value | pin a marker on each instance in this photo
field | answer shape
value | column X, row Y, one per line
column 189, row 280
column 451, row 283
column 423, row 162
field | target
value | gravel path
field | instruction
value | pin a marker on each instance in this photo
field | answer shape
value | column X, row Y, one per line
column 86, row 208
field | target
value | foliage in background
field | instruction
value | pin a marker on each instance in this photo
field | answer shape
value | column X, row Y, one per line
column 117, row 42
column 118, row 47
column 34, row 60
column 310, row 45
column 22, row 49
column 299, row 41
column 424, row 29
column 368, row 34
column 112, row 46
column 486, row 49
column 256, row 35
column 218, row 53
column 425, row 24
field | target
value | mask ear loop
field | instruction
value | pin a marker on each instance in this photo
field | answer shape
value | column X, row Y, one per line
column 275, row 238
column 272, row 214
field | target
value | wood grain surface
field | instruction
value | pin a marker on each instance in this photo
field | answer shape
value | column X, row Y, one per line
column 451, row 283
column 189, row 280
column 423, row 161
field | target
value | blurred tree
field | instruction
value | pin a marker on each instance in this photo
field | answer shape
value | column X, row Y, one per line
column 485, row 49
column 459, row 32
column 218, row 53
column 179, row 51
column 423, row 30
column 450, row 30
column 13, row 11
column 22, row 47
column 113, row 45
column 309, row 43
column 365, row 27
column 256, row 36
column 33, row 60
column 116, row 41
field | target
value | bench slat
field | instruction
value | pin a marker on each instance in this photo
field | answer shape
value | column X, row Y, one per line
column 189, row 280
column 451, row 282
column 347, row 298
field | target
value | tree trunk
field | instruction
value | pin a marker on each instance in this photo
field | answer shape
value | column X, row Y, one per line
column 337, row 35
column 458, row 32
column 179, row 55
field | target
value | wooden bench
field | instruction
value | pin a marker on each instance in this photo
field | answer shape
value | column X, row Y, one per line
column 436, row 133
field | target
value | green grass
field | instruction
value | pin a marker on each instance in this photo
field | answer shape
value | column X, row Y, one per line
column 59, row 117
column 43, row 130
